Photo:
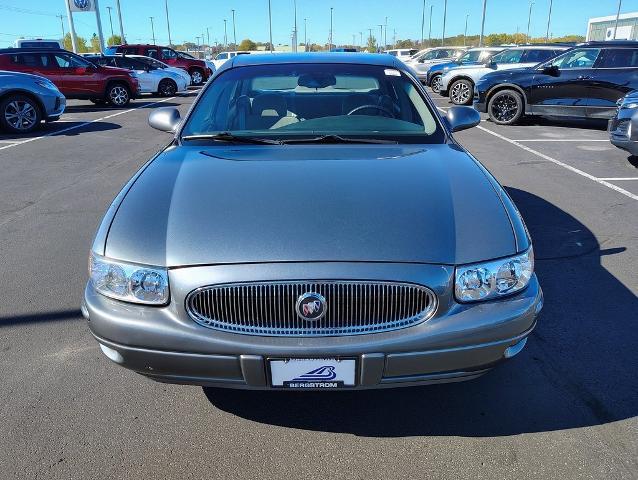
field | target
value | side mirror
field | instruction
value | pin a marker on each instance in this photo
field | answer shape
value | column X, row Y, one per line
column 461, row 118
column 551, row 70
column 491, row 64
column 165, row 119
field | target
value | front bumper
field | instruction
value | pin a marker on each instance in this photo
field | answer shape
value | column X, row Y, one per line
column 620, row 135
column 54, row 106
column 459, row 342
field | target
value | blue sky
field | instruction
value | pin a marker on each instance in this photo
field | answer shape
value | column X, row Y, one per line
column 189, row 18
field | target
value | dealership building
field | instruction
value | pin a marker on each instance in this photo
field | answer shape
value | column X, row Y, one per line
column 602, row 28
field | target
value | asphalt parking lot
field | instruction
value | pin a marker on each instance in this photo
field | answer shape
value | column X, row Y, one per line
column 566, row 407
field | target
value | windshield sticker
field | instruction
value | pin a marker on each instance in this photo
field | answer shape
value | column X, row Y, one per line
column 392, row 72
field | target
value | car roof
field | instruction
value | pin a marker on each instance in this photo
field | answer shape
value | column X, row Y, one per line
column 32, row 49
column 609, row 43
column 382, row 60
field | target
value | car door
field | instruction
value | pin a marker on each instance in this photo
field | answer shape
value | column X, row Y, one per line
column 613, row 76
column 79, row 78
column 561, row 86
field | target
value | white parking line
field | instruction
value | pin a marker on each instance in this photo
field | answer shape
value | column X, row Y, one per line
column 84, row 124
column 564, row 140
column 9, row 141
column 618, row 179
column 561, row 164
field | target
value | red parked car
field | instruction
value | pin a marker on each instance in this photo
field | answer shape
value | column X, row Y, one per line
column 197, row 69
column 74, row 76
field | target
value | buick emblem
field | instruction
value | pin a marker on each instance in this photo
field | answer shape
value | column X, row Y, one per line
column 311, row 306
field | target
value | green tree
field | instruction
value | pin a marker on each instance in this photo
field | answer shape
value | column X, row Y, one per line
column 372, row 44
column 95, row 44
column 81, row 43
column 114, row 40
column 247, row 44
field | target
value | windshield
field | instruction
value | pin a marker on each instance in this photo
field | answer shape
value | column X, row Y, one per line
column 185, row 55
column 288, row 101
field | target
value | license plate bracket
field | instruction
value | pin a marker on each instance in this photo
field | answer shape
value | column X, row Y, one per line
column 312, row 373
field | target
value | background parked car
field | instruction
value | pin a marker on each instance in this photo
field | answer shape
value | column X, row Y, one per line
column 152, row 78
column 473, row 56
column 38, row 43
column 623, row 126
column 421, row 64
column 197, row 69
column 402, row 54
column 26, row 100
column 74, row 76
column 585, row 82
column 223, row 57
column 459, row 82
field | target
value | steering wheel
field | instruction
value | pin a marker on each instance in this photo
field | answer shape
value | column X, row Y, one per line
column 376, row 107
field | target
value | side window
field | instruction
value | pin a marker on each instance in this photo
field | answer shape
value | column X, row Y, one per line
column 31, row 60
column 64, row 60
column 537, row 56
column 152, row 52
column 577, row 58
column 168, row 54
column 221, row 56
column 128, row 50
column 124, row 62
column 509, row 56
column 619, row 58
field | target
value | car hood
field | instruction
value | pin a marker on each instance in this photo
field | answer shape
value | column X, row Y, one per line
column 19, row 75
column 237, row 204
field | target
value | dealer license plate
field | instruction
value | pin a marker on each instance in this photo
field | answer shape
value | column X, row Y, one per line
column 322, row 373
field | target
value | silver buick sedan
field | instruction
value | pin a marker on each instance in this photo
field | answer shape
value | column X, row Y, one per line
column 312, row 225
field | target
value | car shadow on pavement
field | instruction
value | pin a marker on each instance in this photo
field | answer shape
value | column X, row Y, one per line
column 149, row 102
column 58, row 315
column 579, row 369
column 64, row 128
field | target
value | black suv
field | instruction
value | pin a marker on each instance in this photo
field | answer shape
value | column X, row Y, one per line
column 584, row 82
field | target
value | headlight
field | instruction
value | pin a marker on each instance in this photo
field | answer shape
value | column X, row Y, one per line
column 46, row 84
column 129, row 282
column 485, row 281
column 629, row 105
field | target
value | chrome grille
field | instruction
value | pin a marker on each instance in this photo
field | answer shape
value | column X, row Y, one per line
column 352, row 307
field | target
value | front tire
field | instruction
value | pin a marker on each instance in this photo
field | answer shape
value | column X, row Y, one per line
column 197, row 76
column 167, row 88
column 462, row 92
column 118, row 95
column 505, row 107
column 435, row 83
column 19, row 114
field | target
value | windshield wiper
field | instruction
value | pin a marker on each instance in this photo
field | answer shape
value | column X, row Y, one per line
column 229, row 137
column 334, row 139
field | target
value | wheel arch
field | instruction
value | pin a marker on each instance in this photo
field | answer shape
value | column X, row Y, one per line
column 118, row 81
column 26, row 93
column 506, row 86
column 461, row 77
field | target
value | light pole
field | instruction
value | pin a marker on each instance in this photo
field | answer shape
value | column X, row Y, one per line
column 110, row 20
column 294, row 47
column 422, row 22
column 430, row 29
column 482, row 24
column 330, row 42
column 370, row 37
column 549, row 19
column 225, row 35
column 168, row 24
column 152, row 29
column 617, row 18
column 444, row 18
column 270, row 24
column 465, row 32
column 305, row 34
column 529, row 19
column 61, row 17
column 234, row 31
column 385, row 38
column 380, row 37
column 208, row 35
column 119, row 16
column 361, row 39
